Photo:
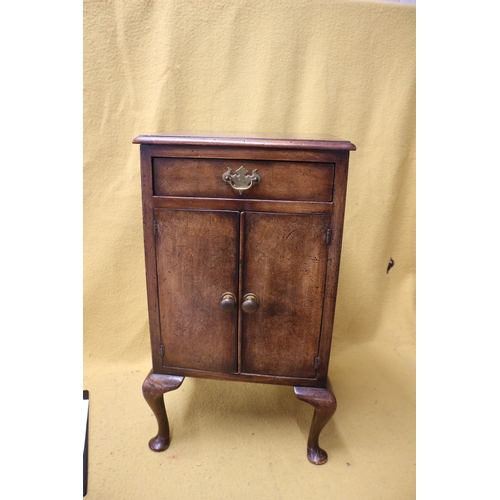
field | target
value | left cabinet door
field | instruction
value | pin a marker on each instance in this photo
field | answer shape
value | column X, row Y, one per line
column 197, row 262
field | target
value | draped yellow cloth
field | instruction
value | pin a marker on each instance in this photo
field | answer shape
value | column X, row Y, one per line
column 345, row 68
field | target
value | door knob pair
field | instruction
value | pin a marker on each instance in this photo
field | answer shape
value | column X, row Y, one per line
column 249, row 305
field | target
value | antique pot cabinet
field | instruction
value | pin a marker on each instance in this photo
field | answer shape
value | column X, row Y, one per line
column 242, row 245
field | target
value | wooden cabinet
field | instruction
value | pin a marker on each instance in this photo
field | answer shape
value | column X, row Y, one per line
column 242, row 245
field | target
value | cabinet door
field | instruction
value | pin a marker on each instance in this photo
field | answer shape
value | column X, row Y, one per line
column 197, row 262
column 284, row 264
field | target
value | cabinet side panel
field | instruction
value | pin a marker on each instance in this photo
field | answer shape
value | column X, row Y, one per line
column 339, row 201
column 285, row 261
column 197, row 255
column 150, row 254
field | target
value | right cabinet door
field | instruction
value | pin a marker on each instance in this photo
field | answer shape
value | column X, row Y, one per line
column 284, row 265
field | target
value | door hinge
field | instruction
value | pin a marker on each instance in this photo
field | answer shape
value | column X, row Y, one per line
column 316, row 363
column 328, row 236
column 162, row 351
column 155, row 227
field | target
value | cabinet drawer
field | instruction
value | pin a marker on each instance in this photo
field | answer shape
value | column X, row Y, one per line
column 279, row 180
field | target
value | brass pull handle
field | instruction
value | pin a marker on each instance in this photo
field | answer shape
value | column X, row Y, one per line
column 228, row 302
column 250, row 303
column 242, row 179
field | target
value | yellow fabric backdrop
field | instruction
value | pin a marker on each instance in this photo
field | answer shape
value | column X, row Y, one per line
column 345, row 68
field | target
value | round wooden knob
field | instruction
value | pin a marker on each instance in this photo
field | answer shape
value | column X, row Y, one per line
column 250, row 303
column 228, row 302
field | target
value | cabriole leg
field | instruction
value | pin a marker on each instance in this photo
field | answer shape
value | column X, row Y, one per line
column 325, row 404
column 153, row 389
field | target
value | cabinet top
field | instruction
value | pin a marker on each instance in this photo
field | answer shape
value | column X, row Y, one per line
column 302, row 141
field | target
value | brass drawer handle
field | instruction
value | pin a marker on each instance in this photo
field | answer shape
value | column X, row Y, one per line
column 250, row 303
column 228, row 302
column 242, row 179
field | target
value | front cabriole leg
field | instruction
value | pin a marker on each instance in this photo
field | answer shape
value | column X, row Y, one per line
column 153, row 389
column 325, row 404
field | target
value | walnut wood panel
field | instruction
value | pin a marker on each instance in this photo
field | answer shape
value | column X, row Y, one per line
column 243, row 377
column 303, row 207
column 197, row 259
column 214, row 140
column 334, row 252
column 284, row 264
column 201, row 177
column 150, row 254
column 244, row 153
